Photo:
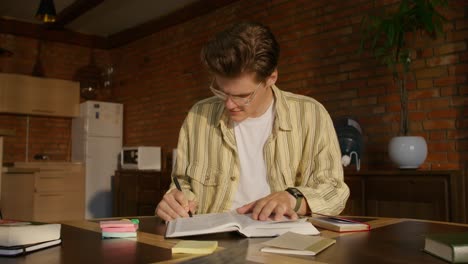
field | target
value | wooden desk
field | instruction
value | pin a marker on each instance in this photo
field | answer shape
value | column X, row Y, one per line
column 390, row 241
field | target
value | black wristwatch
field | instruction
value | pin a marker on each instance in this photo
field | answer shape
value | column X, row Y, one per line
column 298, row 195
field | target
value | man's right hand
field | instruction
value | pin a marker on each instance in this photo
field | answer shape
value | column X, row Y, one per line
column 174, row 205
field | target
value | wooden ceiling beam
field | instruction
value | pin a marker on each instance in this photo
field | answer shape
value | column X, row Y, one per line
column 58, row 33
column 191, row 11
column 39, row 31
column 75, row 10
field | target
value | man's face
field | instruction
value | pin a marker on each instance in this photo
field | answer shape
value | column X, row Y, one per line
column 243, row 96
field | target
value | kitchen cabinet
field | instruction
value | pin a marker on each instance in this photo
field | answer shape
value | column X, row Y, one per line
column 432, row 195
column 43, row 191
column 22, row 94
column 138, row 192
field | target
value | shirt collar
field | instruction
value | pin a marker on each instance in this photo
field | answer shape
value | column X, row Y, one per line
column 282, row 118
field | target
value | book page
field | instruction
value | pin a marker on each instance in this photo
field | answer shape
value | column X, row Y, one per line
column 202, row 224
column 246, row 220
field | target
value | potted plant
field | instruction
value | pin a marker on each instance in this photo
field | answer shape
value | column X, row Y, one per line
column 387, row 37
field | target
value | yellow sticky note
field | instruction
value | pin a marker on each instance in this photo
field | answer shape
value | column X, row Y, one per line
column 195, row 247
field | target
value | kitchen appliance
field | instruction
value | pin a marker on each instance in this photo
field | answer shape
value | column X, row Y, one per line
column 97, row 141
column 141, row 158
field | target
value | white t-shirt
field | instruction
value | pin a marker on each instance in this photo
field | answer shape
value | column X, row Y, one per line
column 251, row 135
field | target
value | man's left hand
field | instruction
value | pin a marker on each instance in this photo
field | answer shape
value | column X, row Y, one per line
column 277, row 205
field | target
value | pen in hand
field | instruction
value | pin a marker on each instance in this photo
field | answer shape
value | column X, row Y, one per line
column 176, row 182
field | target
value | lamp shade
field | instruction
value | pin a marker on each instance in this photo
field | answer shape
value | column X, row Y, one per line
column 46, row 11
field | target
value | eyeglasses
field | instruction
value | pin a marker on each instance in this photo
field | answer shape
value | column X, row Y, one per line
column 238, row 100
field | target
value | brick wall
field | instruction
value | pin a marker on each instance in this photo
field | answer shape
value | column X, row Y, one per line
column 160, row 77
column 36, row 134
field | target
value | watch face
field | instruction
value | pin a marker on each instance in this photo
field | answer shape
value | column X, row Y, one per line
column 294, row 192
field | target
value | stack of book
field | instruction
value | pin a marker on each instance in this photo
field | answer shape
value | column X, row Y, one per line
column 18, row 237
column 119, row 228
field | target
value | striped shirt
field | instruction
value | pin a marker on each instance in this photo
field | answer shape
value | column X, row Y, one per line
column 302, row 151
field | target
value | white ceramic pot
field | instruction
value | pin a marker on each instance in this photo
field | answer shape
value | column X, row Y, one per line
column 407, row 152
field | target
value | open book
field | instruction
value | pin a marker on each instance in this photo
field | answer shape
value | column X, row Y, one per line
column 232, row 221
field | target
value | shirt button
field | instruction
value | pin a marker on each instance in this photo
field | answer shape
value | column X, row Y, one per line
column 233, row 178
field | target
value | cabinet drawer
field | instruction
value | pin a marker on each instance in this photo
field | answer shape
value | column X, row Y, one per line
column 49, row 207
column 58, row 181
column 58, row 202
column 404, row 188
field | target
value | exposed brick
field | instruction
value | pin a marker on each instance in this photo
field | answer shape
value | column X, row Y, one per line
column 446, row 166
column 442, row 113
column 364, row 101
column 420, row 94
column 417, row 116
column 459, row 35
column 443, row 60
column 441, row 146
column 431, row 72
column 369, row 91
column 434, row 103
column 450, row 80
column 458, row 69
column 425, row 53
column 438, row 124
column 461, row 24
column 424, row 84
column 437, row 135
column 435, row 157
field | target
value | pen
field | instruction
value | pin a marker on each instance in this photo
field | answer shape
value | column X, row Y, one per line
column 176, row 182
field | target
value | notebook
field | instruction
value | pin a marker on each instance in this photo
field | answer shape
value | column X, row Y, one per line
column 452, row 247
column 19, row 233
column 19, row 250
column 297, row 244
column 339, row 224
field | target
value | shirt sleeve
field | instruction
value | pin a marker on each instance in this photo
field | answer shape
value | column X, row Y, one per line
column 181, row 162
column 325, row 190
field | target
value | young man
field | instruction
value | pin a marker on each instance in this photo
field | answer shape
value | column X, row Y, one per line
column 252, row 147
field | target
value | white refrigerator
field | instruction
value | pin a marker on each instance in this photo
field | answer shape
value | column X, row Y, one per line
column 97, row 141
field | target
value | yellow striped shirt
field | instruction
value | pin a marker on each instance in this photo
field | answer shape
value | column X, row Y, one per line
column 302, row 151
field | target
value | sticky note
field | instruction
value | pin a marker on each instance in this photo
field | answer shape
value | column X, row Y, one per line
column 195, row 247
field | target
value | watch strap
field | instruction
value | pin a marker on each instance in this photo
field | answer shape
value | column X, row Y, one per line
column 298, row 195
column 298, row 203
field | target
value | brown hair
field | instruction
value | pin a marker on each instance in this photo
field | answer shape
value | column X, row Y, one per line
column 243, row 48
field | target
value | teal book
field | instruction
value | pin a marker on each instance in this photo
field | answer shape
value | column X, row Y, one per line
column 452, row 247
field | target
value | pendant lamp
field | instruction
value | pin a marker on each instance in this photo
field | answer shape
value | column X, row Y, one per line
column 46, row 11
